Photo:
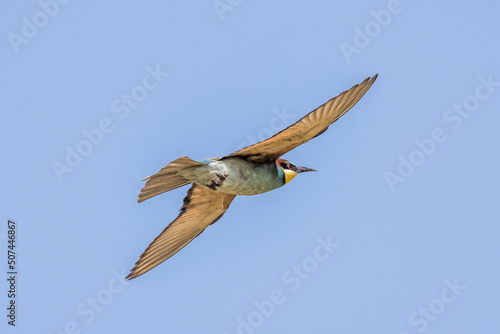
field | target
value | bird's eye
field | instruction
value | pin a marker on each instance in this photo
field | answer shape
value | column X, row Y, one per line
column 288, row 166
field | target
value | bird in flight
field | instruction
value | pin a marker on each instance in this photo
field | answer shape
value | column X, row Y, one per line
column 253, row 170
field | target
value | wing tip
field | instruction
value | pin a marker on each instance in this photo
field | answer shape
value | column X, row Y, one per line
column 369, row 81
column 130, row 276
column 134, row 273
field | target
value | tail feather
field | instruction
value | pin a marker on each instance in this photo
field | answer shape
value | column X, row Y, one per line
column 167, row 178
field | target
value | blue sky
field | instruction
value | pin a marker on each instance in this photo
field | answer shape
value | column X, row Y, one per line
column 396, row 233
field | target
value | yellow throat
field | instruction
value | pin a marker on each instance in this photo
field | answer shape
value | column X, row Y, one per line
column 289, row 175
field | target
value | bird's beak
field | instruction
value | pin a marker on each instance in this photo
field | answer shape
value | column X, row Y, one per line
column 305, row 169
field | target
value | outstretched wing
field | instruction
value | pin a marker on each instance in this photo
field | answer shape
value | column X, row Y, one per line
column 202, row 207
column 308, row 127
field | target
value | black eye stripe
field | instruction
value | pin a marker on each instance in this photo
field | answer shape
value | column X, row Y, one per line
column 288, row 165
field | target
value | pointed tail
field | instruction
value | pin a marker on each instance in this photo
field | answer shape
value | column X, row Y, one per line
column 167, row 178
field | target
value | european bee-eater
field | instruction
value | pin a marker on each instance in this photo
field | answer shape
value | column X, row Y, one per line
column 215, row 182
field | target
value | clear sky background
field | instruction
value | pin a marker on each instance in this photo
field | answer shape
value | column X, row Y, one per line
column 405, row 199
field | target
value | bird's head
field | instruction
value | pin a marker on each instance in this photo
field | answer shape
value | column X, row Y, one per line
column 290, row 170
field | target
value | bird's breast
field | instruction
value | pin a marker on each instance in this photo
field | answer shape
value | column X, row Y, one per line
column 247, row 178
